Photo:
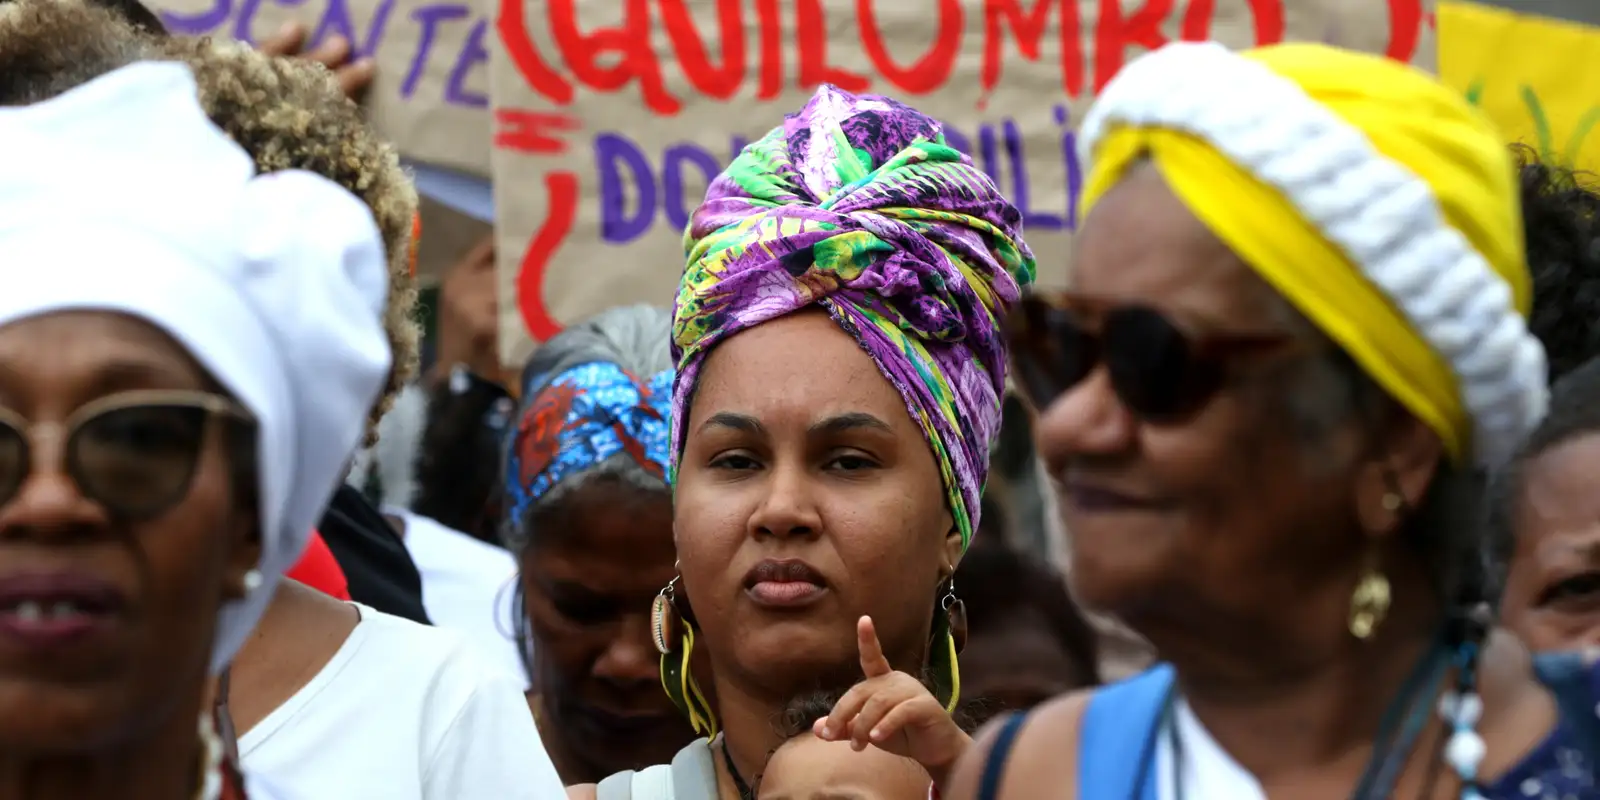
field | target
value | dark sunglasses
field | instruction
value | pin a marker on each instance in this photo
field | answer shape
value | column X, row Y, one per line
column 134, row 453
column 1161, row 371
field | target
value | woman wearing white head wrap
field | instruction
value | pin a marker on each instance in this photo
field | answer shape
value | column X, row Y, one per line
column 162, row 452
column 1294, row 338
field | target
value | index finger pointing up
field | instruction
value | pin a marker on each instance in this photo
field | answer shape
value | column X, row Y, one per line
column 873, row 664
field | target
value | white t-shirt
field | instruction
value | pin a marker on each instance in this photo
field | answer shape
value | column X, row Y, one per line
column 466, row 586
column 403, row 712
column 1207, row 769
column 257, row 789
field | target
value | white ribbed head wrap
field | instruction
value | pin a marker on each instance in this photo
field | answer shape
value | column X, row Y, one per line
column 121, row 195
column 1375, row 199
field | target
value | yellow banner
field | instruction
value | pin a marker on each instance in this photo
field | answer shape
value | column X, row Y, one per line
column 1537, row 78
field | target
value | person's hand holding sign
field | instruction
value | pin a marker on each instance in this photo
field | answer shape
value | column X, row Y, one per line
column 894, row 712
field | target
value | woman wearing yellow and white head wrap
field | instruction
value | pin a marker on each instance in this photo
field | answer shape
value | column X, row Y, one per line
column 1294, row 336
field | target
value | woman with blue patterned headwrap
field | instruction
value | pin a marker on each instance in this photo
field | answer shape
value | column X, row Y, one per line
column 588, row 516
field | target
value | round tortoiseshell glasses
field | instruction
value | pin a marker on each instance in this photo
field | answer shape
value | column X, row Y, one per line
column 134, row 453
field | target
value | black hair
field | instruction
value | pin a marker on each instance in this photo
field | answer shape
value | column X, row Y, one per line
column 1574, row 412
column 1561, row 223
column 803, row 712
column 457, row 464
column 995, row 582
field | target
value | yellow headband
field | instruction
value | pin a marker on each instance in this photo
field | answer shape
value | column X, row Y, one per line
column 1371, row 197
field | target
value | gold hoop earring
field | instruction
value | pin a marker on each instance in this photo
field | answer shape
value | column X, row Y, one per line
column 1369, row 603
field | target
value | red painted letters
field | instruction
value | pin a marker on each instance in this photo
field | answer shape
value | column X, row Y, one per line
column 512, row 25
column 532, row 131
column 629, row 45
column 933, row 69
column 609, row 59
column 1405, row 28
column 1029, row 28
column 1113, row 33
column 717, row 82
column 771, row 26
column 812, row 31
column 561, row 198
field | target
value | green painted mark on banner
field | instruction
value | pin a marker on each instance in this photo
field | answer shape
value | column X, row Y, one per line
column 1543, row 132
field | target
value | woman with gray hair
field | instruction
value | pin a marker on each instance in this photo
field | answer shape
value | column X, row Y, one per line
column 588, row 514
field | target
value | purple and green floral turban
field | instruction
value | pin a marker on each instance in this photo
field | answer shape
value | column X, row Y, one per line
column 857, row 205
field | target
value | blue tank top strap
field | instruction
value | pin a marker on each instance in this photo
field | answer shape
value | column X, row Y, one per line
column 994, row 766
column 1116, row 742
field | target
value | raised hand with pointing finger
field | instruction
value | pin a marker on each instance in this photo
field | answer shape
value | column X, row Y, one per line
column 895, row 712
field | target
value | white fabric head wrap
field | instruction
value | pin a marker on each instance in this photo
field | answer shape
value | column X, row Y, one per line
column 121, row 195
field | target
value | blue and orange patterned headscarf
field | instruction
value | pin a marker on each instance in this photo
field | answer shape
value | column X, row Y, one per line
column 578, row 420
column 858, row 206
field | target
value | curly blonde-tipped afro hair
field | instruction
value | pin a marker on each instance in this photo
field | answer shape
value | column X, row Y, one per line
column 50, row 46
column 286, row 113
column 290, row 114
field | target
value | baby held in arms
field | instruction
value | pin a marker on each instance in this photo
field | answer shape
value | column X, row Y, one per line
column 885, row 739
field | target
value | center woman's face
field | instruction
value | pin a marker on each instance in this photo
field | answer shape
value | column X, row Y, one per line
column 806, row 497
column 105, row 627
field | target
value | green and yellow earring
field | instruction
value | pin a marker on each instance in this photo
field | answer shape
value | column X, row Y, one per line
column 674, row 640
column 949, row 638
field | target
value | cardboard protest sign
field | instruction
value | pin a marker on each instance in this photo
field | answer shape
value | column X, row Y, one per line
column 612, row 117
column 431, row 93
column 1537, row 77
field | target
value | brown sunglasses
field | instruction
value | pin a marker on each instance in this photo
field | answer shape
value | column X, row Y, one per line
column 1161, row 369
column 134, row 453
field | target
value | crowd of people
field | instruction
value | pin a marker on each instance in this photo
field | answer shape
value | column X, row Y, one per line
column 1315, row 417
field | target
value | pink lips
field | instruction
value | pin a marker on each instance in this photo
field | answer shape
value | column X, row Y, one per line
column 1090, row 498
column 787, row 583
column 48, row 611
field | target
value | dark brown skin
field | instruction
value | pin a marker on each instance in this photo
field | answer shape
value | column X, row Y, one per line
column 764, row 475
column 1552, row 598
column 588, row 578
column 469, row 317
column 1241, row 573
column 300, row 633
column 115, row 718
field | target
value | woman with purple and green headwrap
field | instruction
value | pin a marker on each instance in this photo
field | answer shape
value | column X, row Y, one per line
column 839, row 376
